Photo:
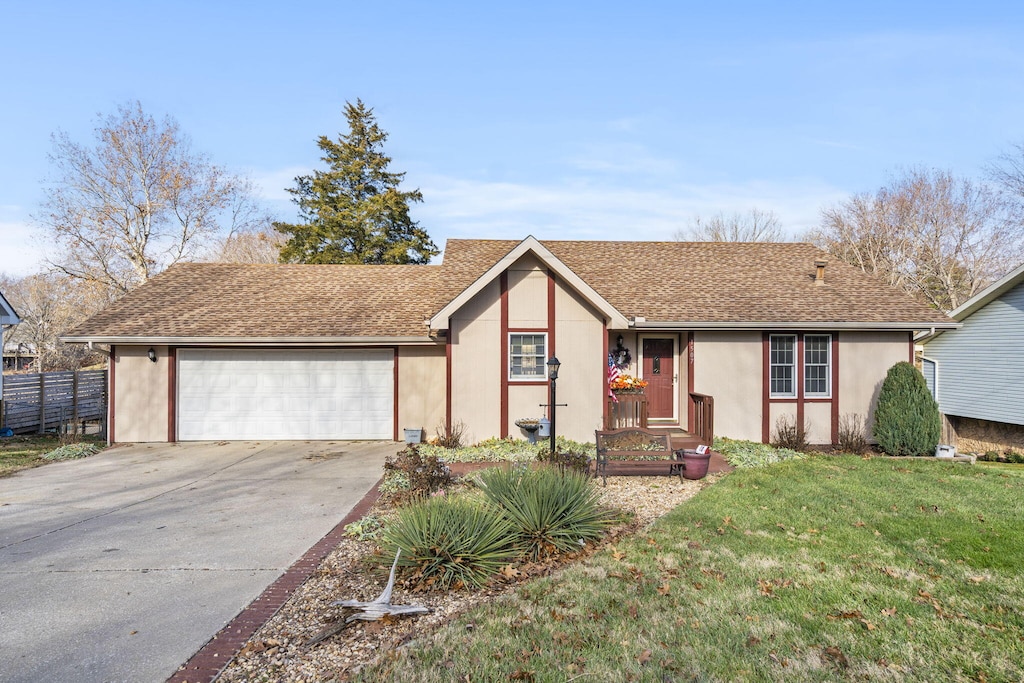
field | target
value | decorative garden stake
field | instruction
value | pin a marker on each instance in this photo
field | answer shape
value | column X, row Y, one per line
column 370, row 611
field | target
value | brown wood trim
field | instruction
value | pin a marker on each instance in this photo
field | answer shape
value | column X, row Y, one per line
column 911, row 359
column 605, row 407
column 172, row 394
column 689, row 381
column 785, row 399
column 394, row 392
column 551, row 315
column 448, row 378
column 835, row 387
column 527, row 383
column 817, row 400
column 110, row 399
column 765, row 386
column 503, row 398
column 528, row 330
column 800, row 380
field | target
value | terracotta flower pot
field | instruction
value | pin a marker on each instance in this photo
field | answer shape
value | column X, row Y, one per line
column 695, row 465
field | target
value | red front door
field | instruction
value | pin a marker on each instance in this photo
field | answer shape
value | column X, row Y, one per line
column 660, row 373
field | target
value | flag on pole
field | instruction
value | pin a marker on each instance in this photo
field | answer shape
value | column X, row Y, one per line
column 613, row 374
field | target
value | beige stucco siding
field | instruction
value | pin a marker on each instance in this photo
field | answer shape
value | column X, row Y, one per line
column 728, row 366
column 476, row 364
column 580, row 335
column 140, row 394
column 864, row 360
column 818, row 421
column 527, row 294
column 421, row 388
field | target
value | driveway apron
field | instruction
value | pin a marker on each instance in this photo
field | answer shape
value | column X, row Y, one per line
column 120, row 566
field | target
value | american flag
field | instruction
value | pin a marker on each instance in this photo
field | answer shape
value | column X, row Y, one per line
column 613, row 374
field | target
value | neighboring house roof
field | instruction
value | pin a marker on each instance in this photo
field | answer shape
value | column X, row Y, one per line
column 669, row 284
column 984, row 297
column 8, row 316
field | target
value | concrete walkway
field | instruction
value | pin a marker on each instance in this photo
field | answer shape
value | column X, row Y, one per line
column 120, row 566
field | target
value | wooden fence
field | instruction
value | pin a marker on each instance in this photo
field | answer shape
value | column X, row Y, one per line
column 54, row 400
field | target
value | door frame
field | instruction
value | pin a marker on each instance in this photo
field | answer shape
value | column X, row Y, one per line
column 674, row 338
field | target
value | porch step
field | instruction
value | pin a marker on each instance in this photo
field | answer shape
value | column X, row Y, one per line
column 679, row 437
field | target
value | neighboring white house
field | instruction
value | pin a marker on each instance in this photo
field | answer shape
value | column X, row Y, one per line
column 8, row 317
column 976, row 373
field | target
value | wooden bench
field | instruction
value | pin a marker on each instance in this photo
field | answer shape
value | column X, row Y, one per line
column 641, row 448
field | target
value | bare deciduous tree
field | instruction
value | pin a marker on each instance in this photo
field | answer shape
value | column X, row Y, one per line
column 753, row 226
column 1007, row 172
column 251, row 246
column 136, row 202
column 939, row 237
column 49, row 304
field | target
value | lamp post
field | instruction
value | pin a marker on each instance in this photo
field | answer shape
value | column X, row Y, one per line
column 553, row 366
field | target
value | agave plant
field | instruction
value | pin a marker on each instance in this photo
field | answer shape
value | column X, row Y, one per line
column 452, row 541
column 554, row 512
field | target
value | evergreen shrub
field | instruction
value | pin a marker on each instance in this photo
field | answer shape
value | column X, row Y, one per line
column 907, row 420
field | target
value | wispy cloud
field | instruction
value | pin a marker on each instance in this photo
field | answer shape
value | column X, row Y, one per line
column 457, row 207
column 22, row 252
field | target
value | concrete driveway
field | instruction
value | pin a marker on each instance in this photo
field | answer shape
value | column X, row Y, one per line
column 120, row 566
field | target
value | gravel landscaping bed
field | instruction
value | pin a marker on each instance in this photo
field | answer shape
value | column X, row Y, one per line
column 277, row 651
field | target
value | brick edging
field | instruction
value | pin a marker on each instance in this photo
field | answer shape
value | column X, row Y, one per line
column 206, row 664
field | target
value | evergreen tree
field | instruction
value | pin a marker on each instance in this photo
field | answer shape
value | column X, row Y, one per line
column 354, row 212
column 907, row 420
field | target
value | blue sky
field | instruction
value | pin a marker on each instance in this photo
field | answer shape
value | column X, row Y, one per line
column 561, row 120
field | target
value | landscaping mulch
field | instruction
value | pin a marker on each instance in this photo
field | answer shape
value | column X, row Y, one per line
column 277, row 651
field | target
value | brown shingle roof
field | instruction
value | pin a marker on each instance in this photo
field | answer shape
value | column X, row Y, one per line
column 274, row 301
column 685, row 282
column 717, row 282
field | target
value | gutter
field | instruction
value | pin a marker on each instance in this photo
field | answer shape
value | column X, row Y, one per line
column 254, row 341
column 765, row 325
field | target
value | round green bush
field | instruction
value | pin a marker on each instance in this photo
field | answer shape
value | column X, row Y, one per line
column 907, row 420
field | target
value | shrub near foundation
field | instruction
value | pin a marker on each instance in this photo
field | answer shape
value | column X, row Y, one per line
column 451, row 541
column 907, row 418
column 553, row 512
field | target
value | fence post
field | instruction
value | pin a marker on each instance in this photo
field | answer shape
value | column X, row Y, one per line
column 74, row 399
column 42, row 403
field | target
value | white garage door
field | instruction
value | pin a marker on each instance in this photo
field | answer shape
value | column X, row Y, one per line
column 241, row 394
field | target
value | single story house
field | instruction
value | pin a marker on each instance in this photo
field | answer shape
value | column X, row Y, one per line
column 976, row 373
column 222, row 351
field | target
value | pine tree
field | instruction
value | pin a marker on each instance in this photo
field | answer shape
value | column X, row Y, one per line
column 354, row 212
column 907, row 420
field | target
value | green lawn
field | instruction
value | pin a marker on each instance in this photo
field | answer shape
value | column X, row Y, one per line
column 820, row 569
column 23, row 452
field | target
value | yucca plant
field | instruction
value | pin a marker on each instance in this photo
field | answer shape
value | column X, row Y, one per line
column 554, row 512
column 452, row 541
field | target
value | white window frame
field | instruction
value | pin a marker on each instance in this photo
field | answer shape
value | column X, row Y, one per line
column 540, row 357
column 827, row 365
column 772, row 365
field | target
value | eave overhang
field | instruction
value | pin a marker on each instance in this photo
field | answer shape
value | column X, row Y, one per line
column 799, row 325
column 253, row 341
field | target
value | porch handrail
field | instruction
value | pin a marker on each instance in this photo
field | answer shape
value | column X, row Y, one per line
column 703, row 426
column 629, row 410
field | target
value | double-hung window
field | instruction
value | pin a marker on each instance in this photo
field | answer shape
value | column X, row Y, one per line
column 817, row 375
column 817, row 365
column 783, row 365
column 527, row 355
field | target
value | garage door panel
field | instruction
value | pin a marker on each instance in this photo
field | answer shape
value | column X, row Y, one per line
column 272, row 394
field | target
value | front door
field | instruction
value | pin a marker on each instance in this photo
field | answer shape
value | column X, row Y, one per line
column 660, row 373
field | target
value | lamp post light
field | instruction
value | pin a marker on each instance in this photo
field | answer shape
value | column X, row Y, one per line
column 553, row 366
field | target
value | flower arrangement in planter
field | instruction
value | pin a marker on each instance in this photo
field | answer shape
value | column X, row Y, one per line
column 627, row 384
